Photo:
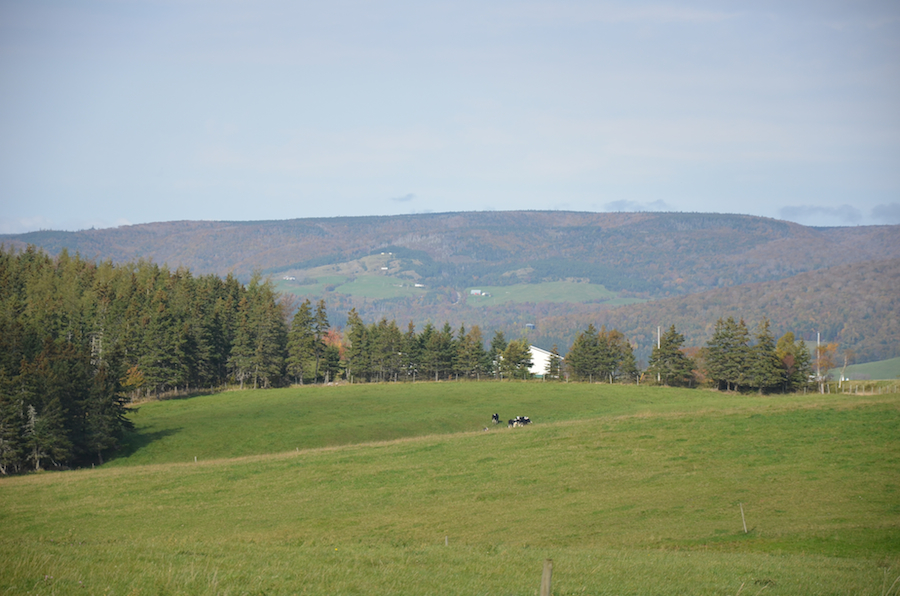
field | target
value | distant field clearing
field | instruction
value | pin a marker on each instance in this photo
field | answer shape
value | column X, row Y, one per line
column 553, row 291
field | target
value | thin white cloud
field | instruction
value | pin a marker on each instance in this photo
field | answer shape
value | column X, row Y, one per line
column 20, row 225
column 813, row 215
column 631, row 206
column 888, row 213
column 404, row 199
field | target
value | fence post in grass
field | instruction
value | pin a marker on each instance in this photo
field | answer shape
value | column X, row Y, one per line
column 546, row 577
column 743, row 521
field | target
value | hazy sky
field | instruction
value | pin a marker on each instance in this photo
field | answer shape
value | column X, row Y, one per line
column 117, row 112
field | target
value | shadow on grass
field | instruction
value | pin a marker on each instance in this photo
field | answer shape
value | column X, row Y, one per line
column 134, row 441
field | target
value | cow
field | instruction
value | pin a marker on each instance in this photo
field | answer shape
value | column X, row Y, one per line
column 495, row 418
column 519, row 421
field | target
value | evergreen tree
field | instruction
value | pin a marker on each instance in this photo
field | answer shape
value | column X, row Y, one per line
column 583, row 359
column 795, row 360
column 105, row 422
column 446, row 351
column 498, row 344
column 387, row 350
column 268, row 334
column 515, row 360
column 358, row 354
column 320, row 329
column 301, row 343
column 471, row 354
column 240, row 362
column 669, row 363
column 765, row 371
column 331, row 363
column 727, row 354
column 553, row 368
column 410, row 352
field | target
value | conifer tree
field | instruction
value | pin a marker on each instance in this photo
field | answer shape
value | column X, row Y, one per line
column 240, row 362
column 320, row 329
column 515, row 360
column 669, row 363
column 410, row 352
column 795, row 360
column 765, row 369
column 727, row 354
column 583, row 359
column 301, row 342
column 553, row 368
column 358, row 353
column 498, row 344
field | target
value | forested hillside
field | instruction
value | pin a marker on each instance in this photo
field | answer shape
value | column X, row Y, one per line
column 687, row 269
column 652, row 254
column 857, row 306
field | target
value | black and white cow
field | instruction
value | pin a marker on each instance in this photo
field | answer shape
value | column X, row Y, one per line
column 519, row 421
column 495, row 418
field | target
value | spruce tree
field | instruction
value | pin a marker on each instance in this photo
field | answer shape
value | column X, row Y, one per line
column 727, row 354
column 515, row 360
column 301, row 343
column 765, row 371
column 669, row 363
column 553, row 368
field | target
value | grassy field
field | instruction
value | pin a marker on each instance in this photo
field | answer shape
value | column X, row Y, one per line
column 379, row 287
column 396, row 489
column 883, row 369
column 554, row 291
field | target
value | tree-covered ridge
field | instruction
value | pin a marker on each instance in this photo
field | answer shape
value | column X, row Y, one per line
column 650, row 253
column 855, row 306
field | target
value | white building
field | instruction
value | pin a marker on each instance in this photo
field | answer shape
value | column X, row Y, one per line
column 540, row 360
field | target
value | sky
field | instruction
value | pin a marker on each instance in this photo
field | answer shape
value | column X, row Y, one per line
column 119, row 112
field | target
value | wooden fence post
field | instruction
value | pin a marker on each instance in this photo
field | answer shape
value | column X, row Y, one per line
column 546, row 577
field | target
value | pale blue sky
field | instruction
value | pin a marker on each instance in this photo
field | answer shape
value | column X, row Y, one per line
column 118, row 112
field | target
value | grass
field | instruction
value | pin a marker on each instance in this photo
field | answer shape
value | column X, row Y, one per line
column 239, row 423
column 630, row 491
column 883, row 369
column 380, row 287
column 555, row 291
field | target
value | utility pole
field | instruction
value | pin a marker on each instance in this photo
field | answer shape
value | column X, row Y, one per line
column 657, row 351
column 818, row 362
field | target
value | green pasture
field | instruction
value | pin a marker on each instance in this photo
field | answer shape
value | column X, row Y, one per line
column 374, row 286
column 554, row 291
column 380, row 287
column 303, row 290
column 240, row 423
column 883, row 369
column 397, row 489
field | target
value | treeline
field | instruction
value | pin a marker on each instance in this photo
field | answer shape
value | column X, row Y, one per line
column 733, row 361
column 79, row 339
column 383, row 352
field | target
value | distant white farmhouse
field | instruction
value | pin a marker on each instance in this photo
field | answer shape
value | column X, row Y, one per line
column 540, row 359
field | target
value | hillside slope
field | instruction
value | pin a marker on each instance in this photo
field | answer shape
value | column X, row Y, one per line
column 649, row 253
column 692, row 267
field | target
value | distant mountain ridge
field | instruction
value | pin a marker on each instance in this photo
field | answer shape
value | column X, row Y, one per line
column 649, row 253
column 687, row 268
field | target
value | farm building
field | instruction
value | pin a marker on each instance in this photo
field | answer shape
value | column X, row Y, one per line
column 540, row 359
